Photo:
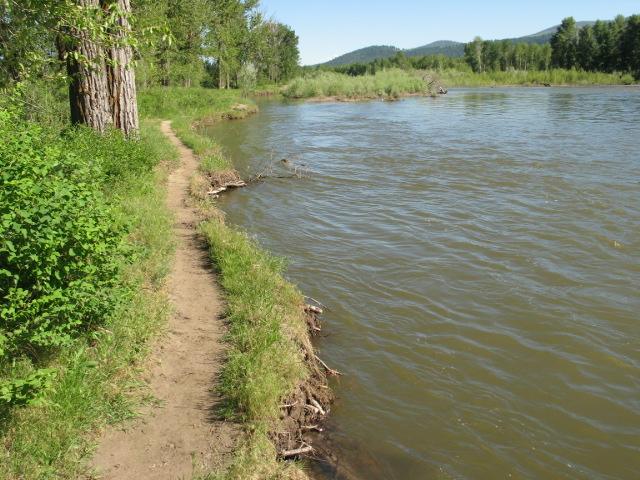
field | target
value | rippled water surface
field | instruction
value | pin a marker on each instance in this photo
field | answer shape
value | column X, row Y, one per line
column 479, row 253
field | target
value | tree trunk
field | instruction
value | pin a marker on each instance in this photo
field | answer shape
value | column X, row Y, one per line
column 88, row 97
column 121, row 78
column 102, row 88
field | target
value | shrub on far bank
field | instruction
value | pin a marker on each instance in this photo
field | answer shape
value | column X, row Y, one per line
column 384, row 83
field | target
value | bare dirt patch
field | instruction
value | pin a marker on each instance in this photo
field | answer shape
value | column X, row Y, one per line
column 183, row 435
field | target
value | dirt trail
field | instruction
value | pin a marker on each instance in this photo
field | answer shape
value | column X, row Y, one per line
column 183, row 434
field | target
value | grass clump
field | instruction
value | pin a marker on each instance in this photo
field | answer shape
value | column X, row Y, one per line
column 386, row 83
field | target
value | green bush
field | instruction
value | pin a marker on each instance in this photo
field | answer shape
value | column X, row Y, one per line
column 61, row 247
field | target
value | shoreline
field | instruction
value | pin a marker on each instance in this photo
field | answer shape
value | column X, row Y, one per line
column 304, row 399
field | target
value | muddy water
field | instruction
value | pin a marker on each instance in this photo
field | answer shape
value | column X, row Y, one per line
column 479, row 253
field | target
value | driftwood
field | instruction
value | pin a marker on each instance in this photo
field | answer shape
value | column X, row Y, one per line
column 296, row 451
column 316, row 301
column 313, row 309
column 315, row 403
column 312, row 427
column 225, row 186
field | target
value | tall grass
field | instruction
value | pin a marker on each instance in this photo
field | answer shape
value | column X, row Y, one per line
column 383, row 84
column 267, row 328
column 458, row 78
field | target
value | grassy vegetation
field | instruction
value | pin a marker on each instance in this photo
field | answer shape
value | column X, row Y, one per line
column 460, row 78
column 97, row 232
column 265, row 360
column 387, row 83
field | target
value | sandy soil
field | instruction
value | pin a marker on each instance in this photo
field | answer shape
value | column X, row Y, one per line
column 182, row 436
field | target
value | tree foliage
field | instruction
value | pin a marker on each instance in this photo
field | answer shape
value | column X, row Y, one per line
column 213, row 42
column 607, row 47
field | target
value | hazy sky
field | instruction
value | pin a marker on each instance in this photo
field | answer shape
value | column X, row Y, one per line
column 328, row 28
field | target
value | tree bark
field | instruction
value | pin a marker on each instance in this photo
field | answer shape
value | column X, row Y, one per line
column 102, row 89
column 88, row 99
column 121, row 80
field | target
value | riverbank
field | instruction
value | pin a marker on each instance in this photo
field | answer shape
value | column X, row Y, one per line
column 271, row 381
column 57, row 401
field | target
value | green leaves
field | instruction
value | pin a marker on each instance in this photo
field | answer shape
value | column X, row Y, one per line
column 62, row 242
column 27, row 391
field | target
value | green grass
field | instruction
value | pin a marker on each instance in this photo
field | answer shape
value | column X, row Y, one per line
column 386, row 83
column 265, row 359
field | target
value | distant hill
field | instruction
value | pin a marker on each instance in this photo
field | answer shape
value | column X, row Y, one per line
column 444, row 47
column 363, row 55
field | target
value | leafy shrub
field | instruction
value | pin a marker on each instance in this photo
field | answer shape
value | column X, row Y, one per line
column 61, row 247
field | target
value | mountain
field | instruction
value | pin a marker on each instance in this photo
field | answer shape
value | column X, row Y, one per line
column 363, row 55
column 444, row 47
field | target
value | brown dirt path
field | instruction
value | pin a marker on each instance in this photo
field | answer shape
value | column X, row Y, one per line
column 183, row 436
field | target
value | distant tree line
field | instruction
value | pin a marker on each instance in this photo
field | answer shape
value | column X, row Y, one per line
column 503, row 55
column 399, row 60
column 606, row 47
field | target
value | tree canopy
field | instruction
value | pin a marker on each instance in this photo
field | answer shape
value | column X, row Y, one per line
column 103, row 48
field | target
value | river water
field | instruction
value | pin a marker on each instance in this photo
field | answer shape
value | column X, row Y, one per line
column 479, row 253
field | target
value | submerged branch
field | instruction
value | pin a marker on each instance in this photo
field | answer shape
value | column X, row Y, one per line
column 281, row 169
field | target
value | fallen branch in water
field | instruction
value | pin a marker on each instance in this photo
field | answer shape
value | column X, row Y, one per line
column 313, row 309
column 330, row 371
column 223, row 187
column 299, row 171
column 316, row 301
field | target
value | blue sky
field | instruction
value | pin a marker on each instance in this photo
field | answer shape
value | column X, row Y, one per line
column 328, row 28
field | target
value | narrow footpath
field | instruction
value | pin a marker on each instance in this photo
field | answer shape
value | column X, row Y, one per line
column 182, row 436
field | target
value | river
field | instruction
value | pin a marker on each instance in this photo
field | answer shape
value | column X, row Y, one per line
column 479, row 254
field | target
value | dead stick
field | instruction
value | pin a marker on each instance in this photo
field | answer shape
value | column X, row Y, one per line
column 316, row 301
column 313, row 409
column 315, row 403
column 105, row 330
column 329, row 370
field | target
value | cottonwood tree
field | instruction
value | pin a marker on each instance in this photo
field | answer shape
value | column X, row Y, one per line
column 93, row 40
column 98, row 56
column 178, row 62
column 564, row 44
